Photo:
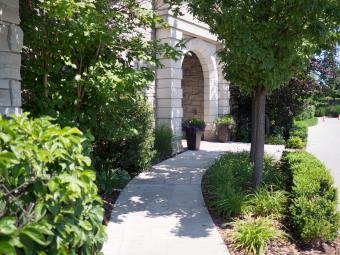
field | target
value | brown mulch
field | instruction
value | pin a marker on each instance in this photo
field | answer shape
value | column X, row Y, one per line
column 109, row 201
column 276, row 247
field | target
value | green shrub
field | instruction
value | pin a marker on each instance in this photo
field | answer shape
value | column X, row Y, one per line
column 295, row 143
column 111, row 179
column 313, row 204
column 132, row 154
column 299, row 129
column 328, row 110
column 299, row 132
column 163, row 142
column 310, row 122
column 267, row 202
column 333, row 111
column 48, row 197
column 308, row 113
column 320, row 111
column 275, row 139
column 253, row 234
column 83, row 75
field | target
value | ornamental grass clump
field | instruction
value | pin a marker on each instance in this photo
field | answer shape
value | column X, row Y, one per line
column 228, row 183
column 253, row 234
column 163, row 142
column 268, row 202
column 48, row 196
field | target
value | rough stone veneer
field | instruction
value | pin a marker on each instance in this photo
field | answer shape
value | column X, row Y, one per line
column 193, row 88
column 11, row 39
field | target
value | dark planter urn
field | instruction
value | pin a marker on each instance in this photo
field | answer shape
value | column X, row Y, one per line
column 223, row 133
column 193, row 139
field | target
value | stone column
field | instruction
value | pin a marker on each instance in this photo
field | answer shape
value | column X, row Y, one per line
column 11, row 40
column 169, row 92
column 223, row 94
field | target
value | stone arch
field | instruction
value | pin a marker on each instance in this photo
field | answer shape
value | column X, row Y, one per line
column 206, row 53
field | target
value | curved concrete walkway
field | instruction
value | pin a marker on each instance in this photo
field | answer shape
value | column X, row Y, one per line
column 324, row 143
column 162, row 212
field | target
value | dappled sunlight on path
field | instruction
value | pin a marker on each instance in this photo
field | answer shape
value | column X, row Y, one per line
column 163, row 212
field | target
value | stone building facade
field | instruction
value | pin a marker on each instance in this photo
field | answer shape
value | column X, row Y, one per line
column 190, row 87
column 11, row 39
column 193, row 86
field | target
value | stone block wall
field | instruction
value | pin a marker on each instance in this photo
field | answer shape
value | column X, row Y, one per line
column 11, row 41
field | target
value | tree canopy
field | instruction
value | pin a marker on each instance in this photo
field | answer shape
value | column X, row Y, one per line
column 265, row 43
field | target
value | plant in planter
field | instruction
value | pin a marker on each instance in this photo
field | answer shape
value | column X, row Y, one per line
column 194, row 129
column 224, row 125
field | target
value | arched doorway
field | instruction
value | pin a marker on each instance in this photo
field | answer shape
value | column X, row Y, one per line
column 193, row 87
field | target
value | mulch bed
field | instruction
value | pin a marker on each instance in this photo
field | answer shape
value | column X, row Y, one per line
column 276, row 247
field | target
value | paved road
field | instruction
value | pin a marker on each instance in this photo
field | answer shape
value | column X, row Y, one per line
column 162, row 212
column 324, row 143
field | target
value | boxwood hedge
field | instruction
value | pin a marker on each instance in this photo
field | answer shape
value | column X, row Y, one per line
column 313, row 204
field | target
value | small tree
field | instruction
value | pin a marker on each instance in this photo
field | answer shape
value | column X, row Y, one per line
column 265, row 43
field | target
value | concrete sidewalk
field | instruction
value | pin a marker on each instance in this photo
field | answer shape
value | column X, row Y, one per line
column 162, row 212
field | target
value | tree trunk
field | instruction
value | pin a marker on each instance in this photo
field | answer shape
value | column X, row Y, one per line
column 259, row 124
column 253, row 128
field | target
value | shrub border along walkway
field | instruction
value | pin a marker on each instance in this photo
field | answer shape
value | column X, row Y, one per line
column 311, row 212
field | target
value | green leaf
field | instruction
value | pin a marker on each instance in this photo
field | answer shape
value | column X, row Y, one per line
column 6, row 248
column 7, row 225
column 34, row 234
column 4, row 137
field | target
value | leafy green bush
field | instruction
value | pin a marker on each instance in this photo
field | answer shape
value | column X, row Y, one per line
column 111, row 179
column 328, row 110
column 163, row 142
column 275, row 139
column 295, row 143
column 310, row 122
column 308, row 113
column 299, row 132
column 48, row 197
column 320, row 111
column 267, row 202
column 313, row 204
column 333, row 111
column 253, row 234
column 132, row 154
column 299, row 129
column 84, row 73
